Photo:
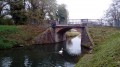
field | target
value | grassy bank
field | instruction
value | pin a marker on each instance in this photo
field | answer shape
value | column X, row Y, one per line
column 72, row 34
column 5, row 32
column 18, row 35
column 106, row 52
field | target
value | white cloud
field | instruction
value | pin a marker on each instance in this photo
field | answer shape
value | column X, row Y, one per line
column 91, row 9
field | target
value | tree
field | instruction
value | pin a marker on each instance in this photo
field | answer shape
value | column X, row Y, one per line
column 62, row 14
column 3, row 9
column 41, row 10
column 31, row 11
column 113, row 13
column 17, row 11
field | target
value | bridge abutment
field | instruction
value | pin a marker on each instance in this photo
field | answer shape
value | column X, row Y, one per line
column 86, row 40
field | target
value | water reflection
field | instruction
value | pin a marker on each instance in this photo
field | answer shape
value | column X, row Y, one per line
column 27, row 62
column 68, row 64
column 6, row 62
column 42, row 55
column 73, row 45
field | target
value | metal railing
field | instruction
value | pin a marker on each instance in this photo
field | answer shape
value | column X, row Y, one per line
column 88, row 22
column 80, row 22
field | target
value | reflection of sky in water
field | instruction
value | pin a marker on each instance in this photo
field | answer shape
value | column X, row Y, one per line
column 27, row 62
column 6, row 62
column 74, row 46
column 68, row 64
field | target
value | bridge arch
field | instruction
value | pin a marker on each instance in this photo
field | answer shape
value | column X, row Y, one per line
column 60, row 33
column 64, row 30
column 61, row 30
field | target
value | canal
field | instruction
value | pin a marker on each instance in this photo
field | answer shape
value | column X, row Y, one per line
column 65, row 54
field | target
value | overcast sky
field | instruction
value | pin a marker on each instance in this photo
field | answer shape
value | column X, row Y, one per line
column 86, row 9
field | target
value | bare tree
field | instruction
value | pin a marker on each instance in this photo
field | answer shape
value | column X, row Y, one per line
column 113, row 13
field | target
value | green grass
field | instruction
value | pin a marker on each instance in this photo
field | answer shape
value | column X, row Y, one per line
column 106, row 52
column 7, row 28
column 5, row 32
column 11, row 36
column 72, row 34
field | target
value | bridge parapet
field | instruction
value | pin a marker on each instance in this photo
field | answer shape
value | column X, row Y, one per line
column 71, row 22
column 85, row 22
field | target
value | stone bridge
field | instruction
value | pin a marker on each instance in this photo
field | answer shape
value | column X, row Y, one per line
column 56, row 33
column 60, row 30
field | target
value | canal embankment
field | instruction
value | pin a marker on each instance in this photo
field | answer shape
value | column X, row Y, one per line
column 106, row 51
column 21, row 35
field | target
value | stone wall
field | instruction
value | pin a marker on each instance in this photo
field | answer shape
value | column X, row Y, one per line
column 86, row 40
column 45, row 37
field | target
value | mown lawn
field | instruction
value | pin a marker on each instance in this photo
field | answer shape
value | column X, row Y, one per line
column 106, row 52
column 11, row 36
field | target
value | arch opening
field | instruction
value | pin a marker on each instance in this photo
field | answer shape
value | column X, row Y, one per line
column 64, row 33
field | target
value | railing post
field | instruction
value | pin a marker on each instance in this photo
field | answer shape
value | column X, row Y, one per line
column 53, row 24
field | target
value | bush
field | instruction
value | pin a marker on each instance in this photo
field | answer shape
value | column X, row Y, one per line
column 6, row 21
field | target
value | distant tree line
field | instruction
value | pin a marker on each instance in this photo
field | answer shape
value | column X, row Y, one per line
column 31, row 11
column 113, row 14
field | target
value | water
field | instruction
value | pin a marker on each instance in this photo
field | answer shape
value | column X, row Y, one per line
column 43, row 55
column 73, row 46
